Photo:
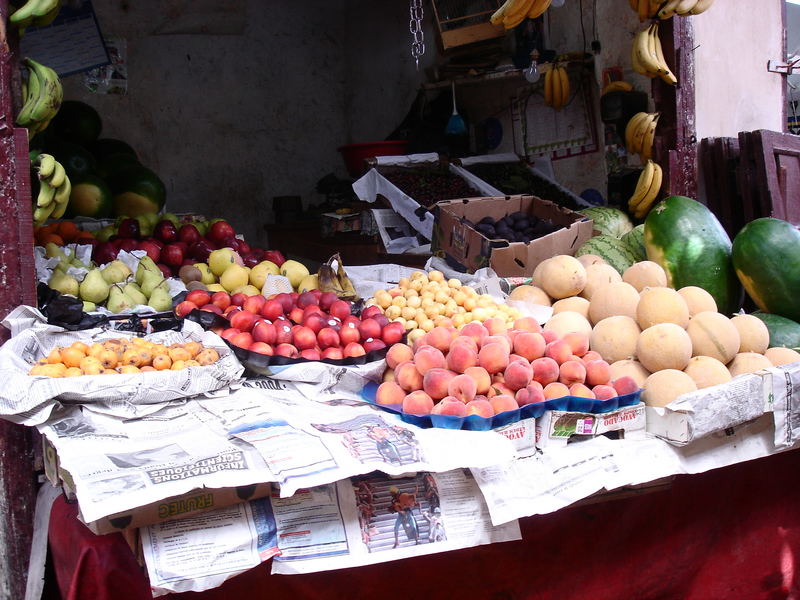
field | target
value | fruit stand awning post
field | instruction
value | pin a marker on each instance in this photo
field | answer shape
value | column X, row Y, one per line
column 17, row 286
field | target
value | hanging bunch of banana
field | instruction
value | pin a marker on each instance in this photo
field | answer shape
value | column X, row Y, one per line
column 52, row 197
column 42, row 96
column 556, row 86
column 617, row 86
column 646, row 9
column 35, row 12
column 647, row 190
column 514, row 12
column 640, row 133
column 647, row 56
column 684, row 8
column 336, row 281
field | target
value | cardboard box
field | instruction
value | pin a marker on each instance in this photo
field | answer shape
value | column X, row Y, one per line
column 458, row 240
column 558, row 428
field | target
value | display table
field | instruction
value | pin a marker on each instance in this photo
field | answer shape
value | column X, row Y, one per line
column 732, row 533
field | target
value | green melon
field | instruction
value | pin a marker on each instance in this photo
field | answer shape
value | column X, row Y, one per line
column 613, row 250
column 634, row 239
column 90, row 197
column 107, row 146
column 108, row 165
column 609, row 221
column 77, row 122
column 136, row 191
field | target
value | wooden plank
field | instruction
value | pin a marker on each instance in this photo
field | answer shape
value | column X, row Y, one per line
column 775, row 153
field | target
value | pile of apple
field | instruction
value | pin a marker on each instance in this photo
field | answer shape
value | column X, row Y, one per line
column 172, row 246
column 486, row 369
column 312, row 325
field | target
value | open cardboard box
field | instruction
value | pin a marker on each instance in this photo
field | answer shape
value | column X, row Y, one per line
column 456, row 238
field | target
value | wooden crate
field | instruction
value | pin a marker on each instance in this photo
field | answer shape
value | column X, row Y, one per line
column 462, row 23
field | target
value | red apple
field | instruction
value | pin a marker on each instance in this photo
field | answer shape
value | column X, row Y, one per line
column 274, row 256
column 369, row 328
column 304, row 338
column 228, row 333
column 371, row 311
column 354, row 349
column 243, row 320
column 127, row 244
column 340, row 309
column 104, row 253
column 254, row 304
column 221, row 299
column 184, row 308
column 166, row 232
column 250, row 260
column 332, row 353
column 200, row 250
column 349, row 333
column 238, row 298
column 264, row 331
column 172, row 254
column 393, row 333
column 152, row 250
column 296, row 314
column 212, row 308
column 242, row 340
column 129, row 228
column 326, row 299
column 219, row 231
column 286, row 350
column 200, row 297
column 189, row 234
column 283, row 333
column 272, row 309
column 382, row 320
column 286, row 302
column 261, row 348
column 333, row 323
column 306, row 299
column 314, row 322
column 372, row 344
column 230, row 310
column 311, row 309
column 310, row 354
column 328, row 338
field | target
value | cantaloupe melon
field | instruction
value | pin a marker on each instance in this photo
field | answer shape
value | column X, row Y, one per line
column 576, row 304
column 753, row 333
column 661, row 305
column 631, row 368
column 563, row 276
column 568, row 321
column 713, row 335
column 530, row 293
column 591, row 259
column 664, row 346
column 697, row 299
column 613, row 299
column 782, row 356
column 665, row 386
column 645, row 274
column 707, row 371
column 615, row 338
column 536, row 277
column 597, row 276
column 748, row 362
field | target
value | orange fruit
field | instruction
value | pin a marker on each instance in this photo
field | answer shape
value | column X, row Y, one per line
column 67, row 230
column 108, row 358
column 178, row 365
column 54, row 356
column 128, row 369
column 72, row 357
column 95, row 350
column 73, row 372
column 131, row 357
column 207, row 357
column 80, row 346
column 109, row 372
column 162, row 362
column 194, row 348
column 146, row 368
column 191, row 363
column 179, row 353
column 91, row 366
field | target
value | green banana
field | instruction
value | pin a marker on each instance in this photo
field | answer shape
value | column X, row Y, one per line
column 58, row 176
column 46, row 165
column 42, row 213
column 51, row 94
column 63, row 191
column 48, row 17
column 46, row 194
column 29, row 99
column 32, row 10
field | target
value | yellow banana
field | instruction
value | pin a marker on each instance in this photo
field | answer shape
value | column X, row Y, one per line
column 701, row 7
column 564, row 85
column 46, row 194
column 643, row 185
column 538, row 8
column 516, row 13
column 42, row 213
column 631, row 128
column 61, row 199
column 58, row 176
column 651, row 196
column 668, row 10
column 685, row 7
column 617, row 86
column 548, row 88
column 29, row 99
column 556, row 101
column 635, row 64
column 497, row 16
column 646, row 152
column 46, row 165
column 642, row 48
column 664, row 71
column 641, row 130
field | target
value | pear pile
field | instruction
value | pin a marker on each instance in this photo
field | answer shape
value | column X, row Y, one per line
column 116, row 287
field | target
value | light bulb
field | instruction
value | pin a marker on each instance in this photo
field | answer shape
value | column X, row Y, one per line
column 532, row 73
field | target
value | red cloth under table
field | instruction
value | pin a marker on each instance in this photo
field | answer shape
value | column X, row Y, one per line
column 732, row 533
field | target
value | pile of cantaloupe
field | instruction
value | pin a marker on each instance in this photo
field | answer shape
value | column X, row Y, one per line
column 670, row 341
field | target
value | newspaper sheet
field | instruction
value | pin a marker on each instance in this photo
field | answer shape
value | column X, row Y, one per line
column 267, row 431
column 29, row 400
column 782, row 385
column 356, row 521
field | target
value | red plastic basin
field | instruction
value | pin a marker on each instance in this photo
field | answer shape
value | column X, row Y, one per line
column 355, row 154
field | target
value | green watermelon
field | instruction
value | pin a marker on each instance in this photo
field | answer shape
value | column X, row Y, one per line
column 635, row 241
column 77, row 122
column 609, row 221
column 783, row 332
column 76, row 160
column 106, row 146
column 613, row 250
column 136, row 190
column 108, row 165
column 687, row 240
column 766, row 256
column 90, row 197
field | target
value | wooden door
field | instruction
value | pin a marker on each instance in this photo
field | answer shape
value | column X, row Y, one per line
column 777, row 173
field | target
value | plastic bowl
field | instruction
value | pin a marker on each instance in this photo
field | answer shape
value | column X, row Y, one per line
column 355, row 154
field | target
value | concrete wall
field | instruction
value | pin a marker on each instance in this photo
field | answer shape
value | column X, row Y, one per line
column 734, row 90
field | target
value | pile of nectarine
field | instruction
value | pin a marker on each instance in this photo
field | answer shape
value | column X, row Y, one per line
column 488, row 368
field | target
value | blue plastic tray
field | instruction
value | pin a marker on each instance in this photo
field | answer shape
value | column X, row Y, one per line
column 477, row 423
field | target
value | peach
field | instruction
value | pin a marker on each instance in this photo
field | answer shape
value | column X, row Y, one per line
column 604, row 392
column 530, row 345
column 625, row 385
column 398, row 353
column 581, row 391
column 417, row 403
column 463, row 340
column 549, row 335
column 388, row 375
column 497, row 339
column 427, row 358
column 389, row 393
column 500, row 389
column 462, row 387
column 493, row 357
column 482, row 408
column 450, row 406
column 476, row 331
column 461, row 357
column 495, row 326
column 555, row 390
column 481, row 377
column 436, row 382
column 598, row 372
column 591, row 355
column 528, row 324
column 534, row 392
column 559, row 350
column 579, row 342
column 439, row 338
column 518, row 375
column 517, row 357
column 407, row 376
column 545, row 370
column 572, row 372
column 503, row 403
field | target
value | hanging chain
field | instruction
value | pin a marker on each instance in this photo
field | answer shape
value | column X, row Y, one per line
column 415, row 27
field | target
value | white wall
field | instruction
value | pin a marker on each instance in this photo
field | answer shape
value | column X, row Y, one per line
column 734, row 91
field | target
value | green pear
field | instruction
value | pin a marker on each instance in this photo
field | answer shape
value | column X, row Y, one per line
column 62, row 266
column 118, row 300
column 171, row 217
column 116, row 272
column 106, row 232
column 133, row 285
column 152, row 218
column 150, row 281
column 93, row 287
column 134, row 293
column 145, row 226
column 160, row 299
column 89, row 306
column 66, row 284
column 52, row 250
column 146, row 264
